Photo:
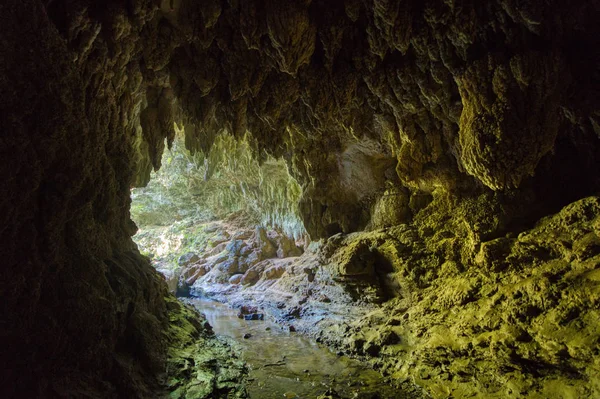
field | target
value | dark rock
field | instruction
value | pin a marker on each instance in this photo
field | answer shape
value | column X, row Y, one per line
column 254, row 316
column 389, row 338
column 245, row 310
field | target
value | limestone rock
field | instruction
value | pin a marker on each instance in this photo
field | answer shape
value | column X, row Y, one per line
column 236, row 279
column 274, row 272
column 187, row 259
column 488, row 110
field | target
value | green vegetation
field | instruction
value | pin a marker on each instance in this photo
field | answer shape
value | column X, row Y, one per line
column 192, row 189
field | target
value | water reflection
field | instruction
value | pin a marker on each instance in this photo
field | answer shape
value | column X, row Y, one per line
column 288, row 365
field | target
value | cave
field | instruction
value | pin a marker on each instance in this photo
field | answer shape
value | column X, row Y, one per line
column 437, row 202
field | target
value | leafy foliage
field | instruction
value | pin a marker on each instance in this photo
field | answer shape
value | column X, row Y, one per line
column 227, row 180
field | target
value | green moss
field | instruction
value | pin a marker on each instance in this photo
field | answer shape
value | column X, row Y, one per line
column 199, row 365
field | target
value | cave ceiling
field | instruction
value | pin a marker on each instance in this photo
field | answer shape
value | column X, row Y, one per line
column 449, row 95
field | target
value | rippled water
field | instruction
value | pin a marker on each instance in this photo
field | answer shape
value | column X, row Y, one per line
column 288, row 365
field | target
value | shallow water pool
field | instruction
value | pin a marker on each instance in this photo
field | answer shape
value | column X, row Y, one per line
column 284, row 364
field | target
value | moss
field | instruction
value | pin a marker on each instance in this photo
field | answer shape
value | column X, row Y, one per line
column 199, row 365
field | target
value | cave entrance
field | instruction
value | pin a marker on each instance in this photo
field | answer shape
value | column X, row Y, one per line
column 222, row 228
column 211, row 220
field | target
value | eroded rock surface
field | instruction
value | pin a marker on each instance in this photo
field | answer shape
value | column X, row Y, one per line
column 516, row 319
column 479, row 117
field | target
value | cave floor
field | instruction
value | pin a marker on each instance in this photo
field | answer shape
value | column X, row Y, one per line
column 516, row 318
column 285, row 364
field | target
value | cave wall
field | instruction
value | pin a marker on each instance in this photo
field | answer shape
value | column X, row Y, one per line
column 463, row 100
column 83, row 313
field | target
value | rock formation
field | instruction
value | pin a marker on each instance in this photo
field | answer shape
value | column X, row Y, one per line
column 478, row 118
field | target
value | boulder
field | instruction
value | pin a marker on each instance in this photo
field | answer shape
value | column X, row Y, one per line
column 220, row 238
column 245, row 263
column 287, row 247
column 250, row 277
column 187, row 258
column 243, row 235
column 216, row 250
column 230, row 266
column 199, row 272
column 234, row 247
column 265, row 245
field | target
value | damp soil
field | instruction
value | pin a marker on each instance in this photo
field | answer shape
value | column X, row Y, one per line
column 284, row 364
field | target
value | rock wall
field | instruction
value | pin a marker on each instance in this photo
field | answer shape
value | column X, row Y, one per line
column 83, row 314
column 516, row 317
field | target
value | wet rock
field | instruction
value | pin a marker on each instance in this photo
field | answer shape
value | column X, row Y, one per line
column 246, row 309
column 293, row 312
column 310, row 274
column 254, row 316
